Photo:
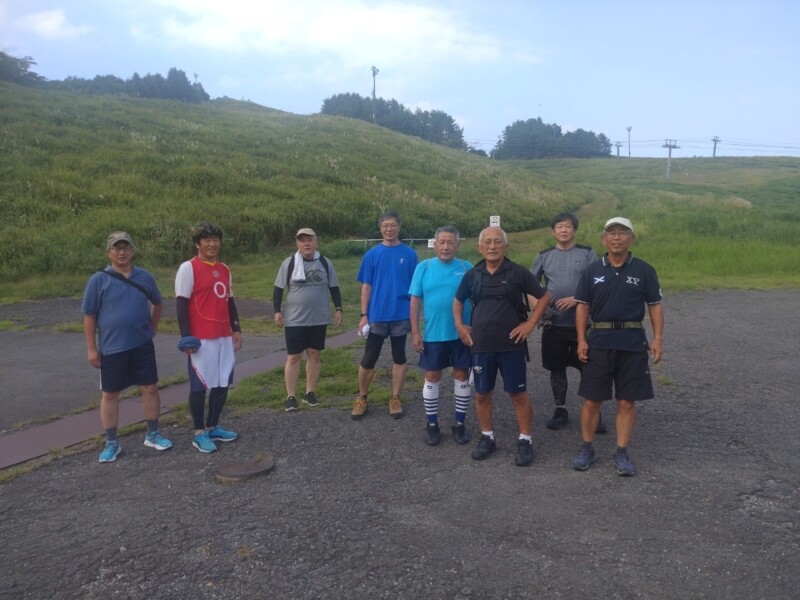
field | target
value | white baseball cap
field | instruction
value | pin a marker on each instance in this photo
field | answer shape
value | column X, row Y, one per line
column 618, row 221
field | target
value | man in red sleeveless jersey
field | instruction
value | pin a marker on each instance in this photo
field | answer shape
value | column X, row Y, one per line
column 209, row 324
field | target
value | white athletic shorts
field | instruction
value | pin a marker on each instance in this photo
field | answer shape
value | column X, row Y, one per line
column 213, row 362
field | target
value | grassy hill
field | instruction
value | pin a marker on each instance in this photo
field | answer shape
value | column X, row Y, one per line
column 74, row 167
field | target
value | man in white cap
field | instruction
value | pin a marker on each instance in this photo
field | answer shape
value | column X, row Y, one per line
column 122, row 308
column 614, row 291
column 307, row 278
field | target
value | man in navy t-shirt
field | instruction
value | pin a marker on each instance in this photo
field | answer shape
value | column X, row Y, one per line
column 613, row 291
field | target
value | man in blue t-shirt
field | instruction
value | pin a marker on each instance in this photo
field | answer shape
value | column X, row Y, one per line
column 613, row 291
column 433, row 288
column 385, row 274
column 117, row 309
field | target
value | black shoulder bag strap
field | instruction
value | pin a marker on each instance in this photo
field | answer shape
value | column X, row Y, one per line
column 121, row 277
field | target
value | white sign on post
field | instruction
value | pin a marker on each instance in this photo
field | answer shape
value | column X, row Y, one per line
column 431, row 242
column 494, row 221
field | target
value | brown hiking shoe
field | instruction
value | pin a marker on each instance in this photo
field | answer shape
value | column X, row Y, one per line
column 395, row 407
column 359, row 408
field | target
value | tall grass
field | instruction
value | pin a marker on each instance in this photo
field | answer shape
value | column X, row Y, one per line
column 74, row 167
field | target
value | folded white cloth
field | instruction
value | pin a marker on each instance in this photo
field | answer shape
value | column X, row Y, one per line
column 299, row 271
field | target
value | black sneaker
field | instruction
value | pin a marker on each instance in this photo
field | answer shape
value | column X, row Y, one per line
column 601, row 427
column 291, row 404
column 484, row 448
column 432, row 437
column 559, row 419
column 585, row 458
column 310, row 399
column 623, row 463
column 460, row 433
column 524, row 456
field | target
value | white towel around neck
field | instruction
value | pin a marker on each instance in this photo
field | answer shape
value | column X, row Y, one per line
column 299, row 271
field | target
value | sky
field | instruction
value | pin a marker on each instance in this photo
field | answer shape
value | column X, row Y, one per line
column 687, row 71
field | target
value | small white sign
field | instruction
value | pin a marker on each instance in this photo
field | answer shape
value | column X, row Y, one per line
column 431, row 242
column 494, row 221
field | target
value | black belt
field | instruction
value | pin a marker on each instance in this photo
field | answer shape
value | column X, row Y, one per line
column 616, row 325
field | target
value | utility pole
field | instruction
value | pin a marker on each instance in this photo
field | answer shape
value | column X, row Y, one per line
column 374, row 75
column 629, row 127
column 618, row 144
column 669, row 144
column 715, row 139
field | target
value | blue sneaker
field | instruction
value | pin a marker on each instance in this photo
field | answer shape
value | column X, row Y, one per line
column 623, row 462
column 110, row 452
column 585, row 458
column 218, row 434
column 203, row 443
column 155, row 440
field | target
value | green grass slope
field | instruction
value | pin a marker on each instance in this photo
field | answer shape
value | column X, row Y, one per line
column 74, row 167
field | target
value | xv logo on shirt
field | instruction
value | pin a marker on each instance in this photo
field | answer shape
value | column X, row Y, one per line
column 633, row 280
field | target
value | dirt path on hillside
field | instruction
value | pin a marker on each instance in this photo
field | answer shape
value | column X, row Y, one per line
column 367, row 510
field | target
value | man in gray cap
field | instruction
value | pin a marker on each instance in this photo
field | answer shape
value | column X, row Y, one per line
column 614, row 291
column 122, row 308
column 307, row 277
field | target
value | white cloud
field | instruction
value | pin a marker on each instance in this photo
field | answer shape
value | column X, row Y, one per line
column 50, row 24
column 388, row 33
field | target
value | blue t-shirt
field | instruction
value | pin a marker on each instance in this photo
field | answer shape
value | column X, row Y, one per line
column 123, row 312
column 436, row 282
column 388, row 269
column 618, row 294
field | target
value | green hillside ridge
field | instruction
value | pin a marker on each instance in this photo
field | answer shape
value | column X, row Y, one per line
column 75, row 167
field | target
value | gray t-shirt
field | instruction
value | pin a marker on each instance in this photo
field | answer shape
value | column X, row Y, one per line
column 560, row 271
column 306, row 302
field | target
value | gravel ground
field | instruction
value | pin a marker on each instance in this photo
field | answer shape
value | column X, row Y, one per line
column 367, row 510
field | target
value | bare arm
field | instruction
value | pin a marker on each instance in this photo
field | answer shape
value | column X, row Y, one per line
column 523, row 330
column 464, row 332
column 155, row 317
column 657, row 321
column 416, row 338
column 581, row 322
column 89, row 329
column 366, row 294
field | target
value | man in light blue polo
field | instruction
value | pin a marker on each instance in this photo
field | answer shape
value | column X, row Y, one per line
column 433, row 288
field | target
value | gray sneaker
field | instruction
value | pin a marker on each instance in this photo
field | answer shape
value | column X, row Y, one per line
column 585, row 458
column 310, row 399
column 623, row 462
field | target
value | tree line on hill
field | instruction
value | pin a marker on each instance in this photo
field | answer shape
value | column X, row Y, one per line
column 521, row 140
column 175, row 86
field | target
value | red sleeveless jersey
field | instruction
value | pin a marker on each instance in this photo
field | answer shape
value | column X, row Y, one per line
column 209, row 316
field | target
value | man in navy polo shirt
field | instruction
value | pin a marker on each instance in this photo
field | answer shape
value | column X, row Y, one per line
column 614, row 291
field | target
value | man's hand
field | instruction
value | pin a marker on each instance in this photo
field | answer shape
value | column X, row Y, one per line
column 564, row 304
column 337, row 318
column 656, row 349
column 416, row 340
column 279, row 319
column 465, row 335
column 94, row 358
column 583, row 351
column 237, row 341
column 521, row 332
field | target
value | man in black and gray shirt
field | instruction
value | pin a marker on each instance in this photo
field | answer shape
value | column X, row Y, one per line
column 558, row 269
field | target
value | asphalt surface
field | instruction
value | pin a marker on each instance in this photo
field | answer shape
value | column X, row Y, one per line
column 367, row 510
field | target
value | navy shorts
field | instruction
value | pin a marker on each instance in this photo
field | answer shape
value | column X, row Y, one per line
column 121, row 370
column 627, row 372
column 299, row 339
column 560, row 348
column 512, row 366
column 440, row 355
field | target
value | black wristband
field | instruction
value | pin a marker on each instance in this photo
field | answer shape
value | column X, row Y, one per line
column 363, row 314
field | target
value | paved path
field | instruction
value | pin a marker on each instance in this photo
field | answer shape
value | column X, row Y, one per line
column 38, row 440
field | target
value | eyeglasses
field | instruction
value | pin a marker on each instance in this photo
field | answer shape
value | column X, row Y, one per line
column 616, row 234
column 118, row 249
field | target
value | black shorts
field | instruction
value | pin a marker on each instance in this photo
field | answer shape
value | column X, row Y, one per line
column 560, row 348
column 121, row 370
column 627, row 372
column 299, row 339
